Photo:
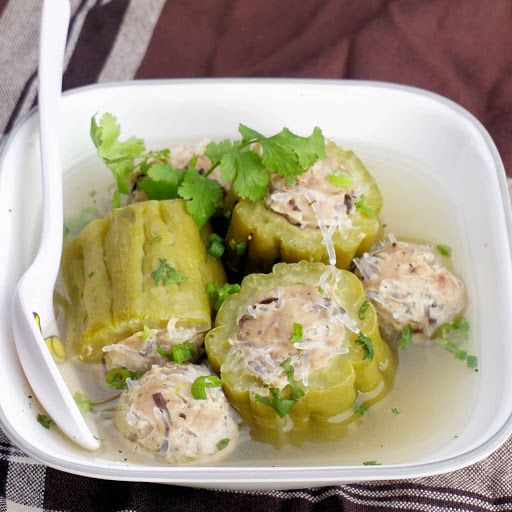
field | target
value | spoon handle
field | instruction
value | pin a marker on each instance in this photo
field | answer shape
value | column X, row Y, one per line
column 54, row 28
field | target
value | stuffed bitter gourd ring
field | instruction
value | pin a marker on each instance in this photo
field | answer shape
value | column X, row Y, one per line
column 142, row 265
column 335, row 203
column 295, row 336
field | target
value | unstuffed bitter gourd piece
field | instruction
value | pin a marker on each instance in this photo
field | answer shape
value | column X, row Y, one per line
column 141, row 265
column 295, row 355
column 329, row 214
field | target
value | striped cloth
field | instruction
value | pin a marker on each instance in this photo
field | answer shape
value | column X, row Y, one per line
column 459, row 48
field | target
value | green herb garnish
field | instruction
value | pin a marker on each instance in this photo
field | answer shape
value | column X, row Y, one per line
column 359, row 409
column 247, row 171
column 395, row 411
column 146, row 333
column 92, row 193
column 222, row 443
column 451, row 335
column 297, row 333
column 341, row 180
column 472, row 361
column 216, row 248
column 363, row 309
column 155, row 239
column 180, row 353
column 282, row 404
column 371, row 463
column 364, row 208
column 406, row 337
column 239, row 249
column 115, row 378
column 166, row 274
column 218, row 294
column 84, row 404
column 45, row 421
column 367, row 346
column 199, row 386
column 444, row 250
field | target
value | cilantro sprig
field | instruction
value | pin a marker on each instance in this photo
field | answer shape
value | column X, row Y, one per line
column 244, row 164
column 367, row 345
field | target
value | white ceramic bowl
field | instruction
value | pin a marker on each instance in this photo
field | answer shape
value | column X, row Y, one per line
column 452, row 148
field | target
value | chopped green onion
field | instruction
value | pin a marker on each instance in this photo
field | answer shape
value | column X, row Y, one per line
column 180, row 353
column 371, row 463
column 444, row 250
column 367, row 346
column 240, row 248
column 204, row 381
column 340, row 180
column 222, row 443
column 364, row 208
column 472, row 361
column 406, row 337
column 363, row 309
column 320, row 289
column 359, row 409
column 216, row 248
column 116, row 377
column 219, row 294
column 84, row 404
column 45, row 421
column 297, row 333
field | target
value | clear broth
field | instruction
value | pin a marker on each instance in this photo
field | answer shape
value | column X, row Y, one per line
column 432, row 392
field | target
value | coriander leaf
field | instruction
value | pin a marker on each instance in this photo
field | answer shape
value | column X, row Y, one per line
column 364, row 208
column 281, row 406
column 162, row 181
column 199, row 386
column 45, row 421
column 363, row 309
column 84, row 404
column 297, row 333
column 359, row 409
column 308, row 149
column 248, row 134
column 296, row 391
column 395, row 411
column 367, row 346
column 246, row 171
column 406, row 337
column 219, row 294
column 166, row 274
column 215, row 150
column 202, row 194
column 118, row 156
column 280, row 159
column 222, row 443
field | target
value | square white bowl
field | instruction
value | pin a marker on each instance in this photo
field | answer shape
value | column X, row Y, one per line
column 450, row 143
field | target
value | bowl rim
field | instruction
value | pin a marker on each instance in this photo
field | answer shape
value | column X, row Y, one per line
column 281, row 474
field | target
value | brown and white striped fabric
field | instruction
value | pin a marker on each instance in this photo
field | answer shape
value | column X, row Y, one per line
column 459, row 48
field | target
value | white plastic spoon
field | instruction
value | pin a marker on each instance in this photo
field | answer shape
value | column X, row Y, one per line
column 34, row 293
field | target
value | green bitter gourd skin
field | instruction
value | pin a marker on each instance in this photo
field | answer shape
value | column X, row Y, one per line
column 327, row 405
column 271, row 237
column 107, row 273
